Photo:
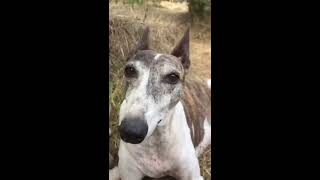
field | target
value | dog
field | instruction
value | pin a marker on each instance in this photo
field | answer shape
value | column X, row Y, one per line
column 165, row 119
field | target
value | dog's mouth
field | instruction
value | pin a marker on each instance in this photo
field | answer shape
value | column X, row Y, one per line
column 132, row 140
column 159, row 121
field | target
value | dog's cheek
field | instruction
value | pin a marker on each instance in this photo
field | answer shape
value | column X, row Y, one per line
column 122, row 110
column 175, row 96
column 157, row 109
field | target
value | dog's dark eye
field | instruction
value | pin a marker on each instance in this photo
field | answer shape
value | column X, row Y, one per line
column 130, row 72
column 171, row 78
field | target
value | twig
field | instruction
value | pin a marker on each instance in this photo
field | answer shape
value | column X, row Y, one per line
column 122, row 52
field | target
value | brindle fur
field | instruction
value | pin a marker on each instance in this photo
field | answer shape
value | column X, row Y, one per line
column 197, row 102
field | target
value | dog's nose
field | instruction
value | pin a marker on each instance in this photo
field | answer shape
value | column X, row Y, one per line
column 133, row 130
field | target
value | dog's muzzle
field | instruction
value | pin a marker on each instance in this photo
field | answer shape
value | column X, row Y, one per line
column 133, row 130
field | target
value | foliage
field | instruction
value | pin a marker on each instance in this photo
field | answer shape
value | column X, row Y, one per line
column 110, row 88
column 140, row 2
column 132, row 2
column 199, row 7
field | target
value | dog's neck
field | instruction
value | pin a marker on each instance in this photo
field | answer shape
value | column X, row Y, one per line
column 170, row 133
column 163, row 145
column 168, row 129
column 167, row 121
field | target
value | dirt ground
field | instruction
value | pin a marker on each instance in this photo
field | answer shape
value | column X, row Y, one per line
column 200, row 52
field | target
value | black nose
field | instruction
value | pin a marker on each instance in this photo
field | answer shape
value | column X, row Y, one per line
column 133, row 130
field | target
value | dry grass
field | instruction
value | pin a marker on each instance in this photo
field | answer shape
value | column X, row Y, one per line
column 167, row 26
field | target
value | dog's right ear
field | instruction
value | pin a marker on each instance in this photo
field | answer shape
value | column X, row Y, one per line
column 182, row 50
column 143, row 44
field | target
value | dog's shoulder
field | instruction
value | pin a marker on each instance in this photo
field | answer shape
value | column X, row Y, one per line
column 196, row 101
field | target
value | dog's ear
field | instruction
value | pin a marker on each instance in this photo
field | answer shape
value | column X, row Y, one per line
column 182, row 50
column 143, row 44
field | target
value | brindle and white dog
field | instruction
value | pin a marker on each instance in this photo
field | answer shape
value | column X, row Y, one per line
column 165, row 119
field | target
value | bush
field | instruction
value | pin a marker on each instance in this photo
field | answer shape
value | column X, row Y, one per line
column 132, row 2
column 136, row 2
column 199, row 7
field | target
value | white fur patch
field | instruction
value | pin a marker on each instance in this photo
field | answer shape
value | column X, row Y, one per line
column 114, row 174
column 177, row 151
column 130, row 106
column 157, row 56
column 206, row 141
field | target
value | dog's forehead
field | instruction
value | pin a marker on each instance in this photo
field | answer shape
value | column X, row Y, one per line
column 151, row 58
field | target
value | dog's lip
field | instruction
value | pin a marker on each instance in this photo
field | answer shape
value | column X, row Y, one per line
column 131, row 141
column 159, row 121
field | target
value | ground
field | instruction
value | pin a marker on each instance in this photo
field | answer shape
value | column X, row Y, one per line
column 200, row 43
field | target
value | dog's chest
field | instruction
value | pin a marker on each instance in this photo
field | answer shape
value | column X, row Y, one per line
column 154, row 164
column 155, row 158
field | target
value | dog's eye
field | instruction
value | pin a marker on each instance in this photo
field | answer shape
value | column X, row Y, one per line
column 171, row 78
column 130, row 72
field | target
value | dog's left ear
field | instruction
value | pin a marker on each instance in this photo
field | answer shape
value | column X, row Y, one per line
column 143, row 44
column 182, row 50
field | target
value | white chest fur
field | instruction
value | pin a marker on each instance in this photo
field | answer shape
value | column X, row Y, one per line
column 168, row 149
column 153, row 158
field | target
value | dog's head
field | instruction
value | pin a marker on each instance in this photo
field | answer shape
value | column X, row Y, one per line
column 153, row 87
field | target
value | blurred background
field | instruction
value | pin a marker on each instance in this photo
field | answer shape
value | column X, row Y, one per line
column 168, row 20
